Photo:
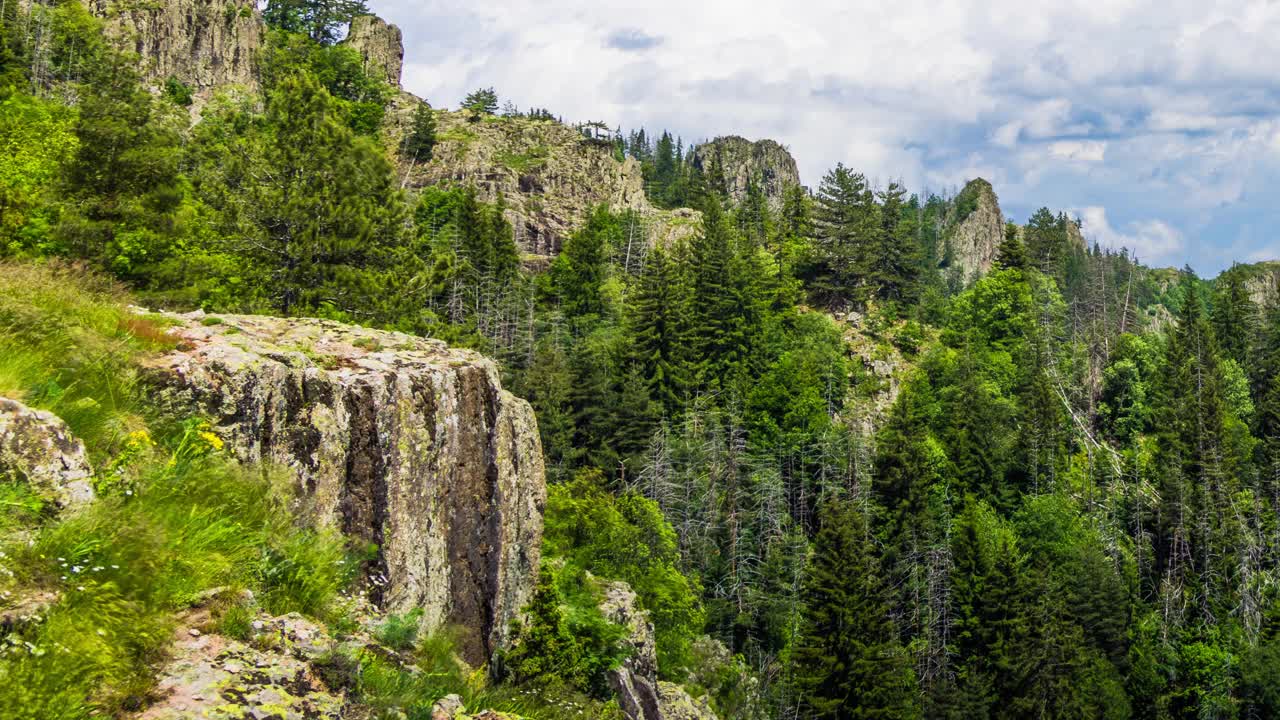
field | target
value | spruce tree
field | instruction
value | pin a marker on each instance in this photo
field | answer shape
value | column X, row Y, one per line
column 848, row 662
column 659, row 330
column 419, row 144
column 1235, row 317
column 891, row 260
column 1012, row 254
column 845, row 219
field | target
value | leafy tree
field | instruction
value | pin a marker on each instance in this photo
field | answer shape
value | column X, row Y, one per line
column 626, row 538
column 324, row 21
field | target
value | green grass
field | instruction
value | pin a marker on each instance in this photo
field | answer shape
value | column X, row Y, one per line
column 534, row 157
column 68, row 345
column 174, row 518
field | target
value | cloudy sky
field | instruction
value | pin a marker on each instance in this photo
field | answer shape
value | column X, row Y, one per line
column 1156, row 123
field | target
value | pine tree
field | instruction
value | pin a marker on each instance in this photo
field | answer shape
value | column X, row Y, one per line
column 659, row 329
column 891, row 262
column 324, row 21
column 1235, row 317
column 846, row 218
column 329, row 208
column 1012, row 254
column 848, row 662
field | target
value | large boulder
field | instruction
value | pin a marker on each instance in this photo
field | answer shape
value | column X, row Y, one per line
column 38, row 448
column 401, row 442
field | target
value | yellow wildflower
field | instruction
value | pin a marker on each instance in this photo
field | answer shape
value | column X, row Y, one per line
column 213, row 440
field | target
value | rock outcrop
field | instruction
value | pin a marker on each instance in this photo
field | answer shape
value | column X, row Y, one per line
column 401, row 442
column 550, row 176
column 38, row 448
column 204, row 43
column 974, row 239
column 1261, row 281
column 738, row 161
column 635, row 683
column 270, row 675
column 381, row 45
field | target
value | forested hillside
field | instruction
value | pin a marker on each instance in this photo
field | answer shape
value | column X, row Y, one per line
column 859, row 452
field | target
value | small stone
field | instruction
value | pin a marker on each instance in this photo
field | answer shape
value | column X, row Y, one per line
column 232, row 668
column 258, row 625
column 193, row 632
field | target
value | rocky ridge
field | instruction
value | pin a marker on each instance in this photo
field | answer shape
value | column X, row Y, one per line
column 549, row 175
column 739, row 161
column 400, row 442
column 635, row 683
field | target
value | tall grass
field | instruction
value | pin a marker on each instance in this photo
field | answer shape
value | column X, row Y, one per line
column 68, row 344
column 184, row 519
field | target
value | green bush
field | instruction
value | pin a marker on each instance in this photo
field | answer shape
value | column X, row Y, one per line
column 626, row 538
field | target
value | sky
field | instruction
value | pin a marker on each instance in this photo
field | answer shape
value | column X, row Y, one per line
column 1155, row 123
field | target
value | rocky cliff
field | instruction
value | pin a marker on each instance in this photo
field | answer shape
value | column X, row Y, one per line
column 401, row 442
column 738, row 161
column 977, row 230
column 380, row 44
column 1261, row 281
column 549, row 174
column 204, row 43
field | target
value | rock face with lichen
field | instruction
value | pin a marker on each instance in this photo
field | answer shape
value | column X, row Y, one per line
column 400, row 442
column 736, row 161
column 380, row 44
column 974, row 239
column 37, row 447
column 204, row 43
column 635, row 682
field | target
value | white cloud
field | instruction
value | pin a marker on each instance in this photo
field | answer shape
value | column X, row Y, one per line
column 1086, row 151
column 1153, row 241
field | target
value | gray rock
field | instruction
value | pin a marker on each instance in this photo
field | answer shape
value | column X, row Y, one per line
column 976, row 239
column 37, row 446
column 447, row 707
column 739, row 161
column 675, row 703
column 635, row 683
column 204, row 43
column 398, row 441
column 380, row 44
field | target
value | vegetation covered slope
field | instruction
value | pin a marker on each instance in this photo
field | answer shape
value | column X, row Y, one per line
column 1069, row 510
